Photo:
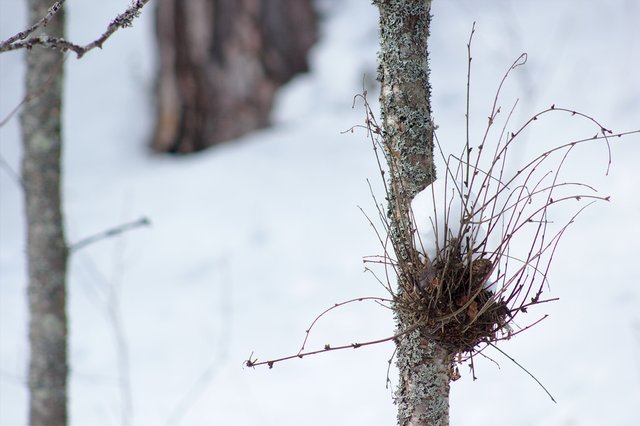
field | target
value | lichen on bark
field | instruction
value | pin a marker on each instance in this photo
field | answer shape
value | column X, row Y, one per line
column 47, row 251
column 424, row 365
column 406, row 111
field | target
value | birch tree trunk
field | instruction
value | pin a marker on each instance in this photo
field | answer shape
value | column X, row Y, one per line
column 47, row 252
column 424, row 365
column 221, row 62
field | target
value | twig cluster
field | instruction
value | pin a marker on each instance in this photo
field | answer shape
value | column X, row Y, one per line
column 495, row 267
column 482, row 277
column 27, row 39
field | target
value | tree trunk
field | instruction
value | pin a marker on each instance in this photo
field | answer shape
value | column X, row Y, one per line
column 47, row 252
column 221, row 62
column 424, row 365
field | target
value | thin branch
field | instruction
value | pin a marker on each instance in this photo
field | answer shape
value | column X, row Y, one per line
column 109, row 233
column 337, row 305
column 18, row 41
column 467, row 117
column 114, row 311
column 222, row 348
column 22, row 41
column 53, row 72
column 523, row 369
column 327, row 348
column 41, row 23
column 12, row 173
column 389, row 361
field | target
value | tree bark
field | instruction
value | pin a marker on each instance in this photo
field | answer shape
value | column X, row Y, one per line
column 424, row 365
column 47, row 251
column 221, row 62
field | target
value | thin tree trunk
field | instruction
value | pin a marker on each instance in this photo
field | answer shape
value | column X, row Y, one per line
column 221, row 62
column 47, row 252
column 424, row 365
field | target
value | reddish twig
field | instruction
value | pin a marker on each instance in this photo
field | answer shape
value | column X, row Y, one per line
column 337, row 305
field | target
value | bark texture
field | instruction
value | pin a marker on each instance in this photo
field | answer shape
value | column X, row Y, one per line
column 424, row 365
column 221, row 62
column 47, row 251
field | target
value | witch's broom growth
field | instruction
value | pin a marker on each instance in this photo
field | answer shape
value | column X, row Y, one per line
column 483, row 237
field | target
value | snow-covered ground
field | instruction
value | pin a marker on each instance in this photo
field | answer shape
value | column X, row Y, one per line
column 250, row 240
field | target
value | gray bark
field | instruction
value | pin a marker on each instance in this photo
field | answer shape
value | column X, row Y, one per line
column 221, row 62
column 424, row 365
column 47, row 252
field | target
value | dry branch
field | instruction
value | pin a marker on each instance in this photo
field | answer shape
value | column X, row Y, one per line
column 111, row 232
column 26, row 40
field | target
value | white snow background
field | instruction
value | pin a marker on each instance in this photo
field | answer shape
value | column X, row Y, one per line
column 251, row 239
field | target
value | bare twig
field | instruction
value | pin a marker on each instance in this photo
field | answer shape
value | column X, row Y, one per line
column 523, row 369
column 114, row 311
column 53, row 72
column 337, row 305
column 389, row 361
column 112, row 232
column 12, row 173
column 327, row 348
column 41, row 23
column 221, row 344
column 467, row 118
column 24, row 40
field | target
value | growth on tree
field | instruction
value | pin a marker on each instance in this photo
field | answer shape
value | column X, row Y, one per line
column 472, row 250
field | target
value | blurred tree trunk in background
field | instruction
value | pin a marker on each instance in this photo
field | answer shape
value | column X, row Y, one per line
column 47, row 252
column 221, row 62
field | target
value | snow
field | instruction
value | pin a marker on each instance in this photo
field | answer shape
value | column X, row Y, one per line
column 250, row 240
column 439, row 212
